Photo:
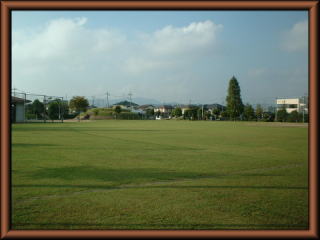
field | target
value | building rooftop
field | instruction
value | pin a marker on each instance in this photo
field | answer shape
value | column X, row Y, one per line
column 19, row 100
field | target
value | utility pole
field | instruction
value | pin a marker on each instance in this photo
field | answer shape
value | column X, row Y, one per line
column 59, row 105
column 107, row 99
column 202, row 111
column 276, row 111
column 44, row 106
column 14, row 91
column 130, row 94
column 62, row 110
column 92, row 101
column 24, row 106
column 303, row 105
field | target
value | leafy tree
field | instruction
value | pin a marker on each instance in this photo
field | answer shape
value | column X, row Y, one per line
column 282, row 115
column 268, row 116
column 158, row 113
column 150, row 112
column 64, row 108
column 207, row 115
column 54, row 110
column 259, row 112
column 199, row 113
column 224, row 114
column 248, row 112
column 305, row 117
column 191, row 113
column 117, row 109
column 95, row 111
column 177, row 112
column 294, row 116
column 216, row 112
column 187, row 114
column 78, row 104
column 38, row 108
column 234, row 102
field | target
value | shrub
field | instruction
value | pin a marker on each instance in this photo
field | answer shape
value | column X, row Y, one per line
column 294, row 117
column 31, row 116
column 95, row 111
column 282, row 115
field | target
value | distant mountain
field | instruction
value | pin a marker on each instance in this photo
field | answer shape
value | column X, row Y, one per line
column 126, row 103
column 140, row 101
column 100, row 102
column 171, row 103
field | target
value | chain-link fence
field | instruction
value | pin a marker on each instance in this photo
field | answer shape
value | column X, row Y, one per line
column 29, row 107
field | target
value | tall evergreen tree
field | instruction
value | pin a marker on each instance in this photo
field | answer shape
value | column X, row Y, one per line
column 234, row 102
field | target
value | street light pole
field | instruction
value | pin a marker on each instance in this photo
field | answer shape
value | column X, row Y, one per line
column 303, row 105
column 44, row 106
column 202, row 111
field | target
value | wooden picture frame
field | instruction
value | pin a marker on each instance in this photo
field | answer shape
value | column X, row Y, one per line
column 8, row 6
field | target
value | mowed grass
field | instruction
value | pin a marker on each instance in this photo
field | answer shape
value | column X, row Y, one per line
column 159, row 175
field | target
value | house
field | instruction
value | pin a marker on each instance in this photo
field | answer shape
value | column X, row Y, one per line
column 292, row 104
column 212, row 107
column 18, row 109
column 187, row 107
column 164, row 109
column 146, row 107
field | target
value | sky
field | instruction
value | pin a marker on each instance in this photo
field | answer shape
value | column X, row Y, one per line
column 161, row 56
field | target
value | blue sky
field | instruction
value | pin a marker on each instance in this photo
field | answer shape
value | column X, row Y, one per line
column 169, row 56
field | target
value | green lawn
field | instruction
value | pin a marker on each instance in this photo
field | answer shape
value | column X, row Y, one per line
column 159, row 175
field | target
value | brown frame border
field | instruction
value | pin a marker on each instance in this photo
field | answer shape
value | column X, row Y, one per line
column 7, row 6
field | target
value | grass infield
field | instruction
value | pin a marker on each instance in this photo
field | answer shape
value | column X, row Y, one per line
column 159, row 175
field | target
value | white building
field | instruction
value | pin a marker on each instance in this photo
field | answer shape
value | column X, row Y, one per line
column 18, row 109
column 292, row 104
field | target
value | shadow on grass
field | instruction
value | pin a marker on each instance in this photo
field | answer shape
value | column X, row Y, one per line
column 82, row 129
column 107, row 174
column 161, row 226
column 136, row 177
column 131, row 175
column 150, row 186
column 259, row 175
column 33, row 145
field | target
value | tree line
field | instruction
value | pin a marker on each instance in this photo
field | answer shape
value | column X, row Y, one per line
column 234, row 110
column 56, row 108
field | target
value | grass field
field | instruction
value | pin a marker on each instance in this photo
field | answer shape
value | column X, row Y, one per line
column 159, row 175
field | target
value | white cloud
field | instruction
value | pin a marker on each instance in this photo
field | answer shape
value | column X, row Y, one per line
column 296, row 39
column 171, row 45
column 195, row 36
column 63, row 38
column 66, row 55
column 61, row 53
